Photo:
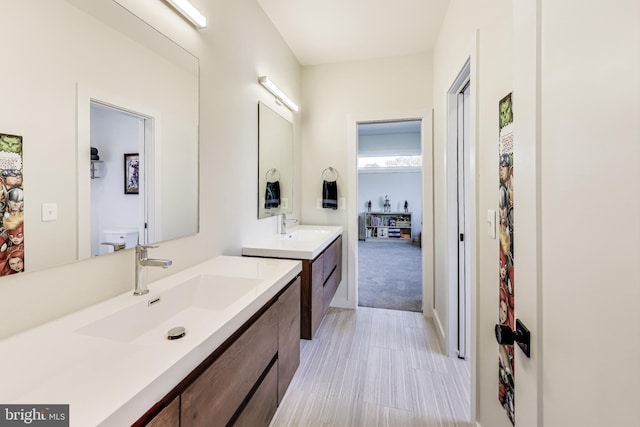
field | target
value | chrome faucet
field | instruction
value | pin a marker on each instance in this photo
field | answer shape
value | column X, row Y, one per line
column 142, row 260
column 283, row 223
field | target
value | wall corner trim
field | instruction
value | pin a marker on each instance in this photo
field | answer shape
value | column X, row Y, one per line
column 440, row 331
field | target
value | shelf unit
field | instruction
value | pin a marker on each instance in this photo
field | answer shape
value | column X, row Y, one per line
column 387, row 225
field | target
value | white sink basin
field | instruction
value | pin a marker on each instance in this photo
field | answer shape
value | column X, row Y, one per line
column 184, row 305
column 302, row 242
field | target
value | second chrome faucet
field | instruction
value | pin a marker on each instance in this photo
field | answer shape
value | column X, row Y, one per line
column 284, row 221
column 143, row 260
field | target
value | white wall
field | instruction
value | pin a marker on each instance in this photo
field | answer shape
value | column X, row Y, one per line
column 231, row 59
column 579, row 282
column 456, row 43
column 399, row 186
column 590, row 179
column 335, row 96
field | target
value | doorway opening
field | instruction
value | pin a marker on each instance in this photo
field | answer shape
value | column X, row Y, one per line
column 121, row 143
column 389, row 197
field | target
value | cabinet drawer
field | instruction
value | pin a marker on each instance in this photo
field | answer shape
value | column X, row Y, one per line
column 263, row 404
column 317, row 295
column 331, row 258
column 334, row 269
column 213, row 398
column 288, row 336
column 330, row 289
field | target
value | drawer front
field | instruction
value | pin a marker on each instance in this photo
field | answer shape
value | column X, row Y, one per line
column 335, row 273
column 317, row 294
column 338, row 271
column 330, row 289
column 331, row 258
column 288, row 336
column 213, row 398
column 263, row 404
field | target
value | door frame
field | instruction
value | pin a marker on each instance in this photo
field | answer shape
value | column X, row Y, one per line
column 149, row 176
column 448, row 336
column 426, row 136
column 462, row 80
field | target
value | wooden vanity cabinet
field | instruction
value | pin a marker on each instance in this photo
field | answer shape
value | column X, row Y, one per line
column 320, row 279
column 242, row 382
column 169, row 416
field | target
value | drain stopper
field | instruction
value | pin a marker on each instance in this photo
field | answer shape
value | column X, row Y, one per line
column 176, row 333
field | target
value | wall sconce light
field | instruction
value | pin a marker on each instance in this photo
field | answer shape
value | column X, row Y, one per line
column 190, row 12
column 279, row 94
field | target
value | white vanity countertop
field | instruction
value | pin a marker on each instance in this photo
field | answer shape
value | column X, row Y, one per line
column 112, row 381
column 301, row 242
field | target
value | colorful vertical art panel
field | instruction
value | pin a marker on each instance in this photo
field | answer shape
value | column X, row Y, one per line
column 11, row 205
column 506, row 382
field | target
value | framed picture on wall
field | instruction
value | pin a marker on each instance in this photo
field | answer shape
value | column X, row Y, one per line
column 131, row 173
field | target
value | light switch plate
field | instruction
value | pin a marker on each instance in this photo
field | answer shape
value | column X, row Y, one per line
column 49, row 212
column 491, row 223
column 342, row 203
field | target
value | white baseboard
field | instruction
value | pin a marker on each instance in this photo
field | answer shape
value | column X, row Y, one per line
column 342, row 303
column 478, row 424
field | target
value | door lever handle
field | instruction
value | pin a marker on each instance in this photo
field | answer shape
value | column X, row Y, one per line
column 506, row 336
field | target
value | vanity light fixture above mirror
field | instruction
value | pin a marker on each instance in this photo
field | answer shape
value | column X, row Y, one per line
column 278, row 93
column 190, row 12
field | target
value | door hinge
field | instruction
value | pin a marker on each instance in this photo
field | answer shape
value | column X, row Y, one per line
column 461, row 237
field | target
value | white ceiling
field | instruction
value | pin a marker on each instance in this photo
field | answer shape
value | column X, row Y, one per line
column 329, row 31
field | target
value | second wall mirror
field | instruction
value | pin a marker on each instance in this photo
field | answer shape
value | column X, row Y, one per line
column 275, row 163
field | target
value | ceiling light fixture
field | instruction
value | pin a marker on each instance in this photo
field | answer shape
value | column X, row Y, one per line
column 279, row 94
column 190, row 12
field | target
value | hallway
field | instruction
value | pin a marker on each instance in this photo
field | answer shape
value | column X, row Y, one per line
column 376, row 367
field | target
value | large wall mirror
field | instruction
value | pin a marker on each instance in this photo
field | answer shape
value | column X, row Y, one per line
column 275, row 163
column 106, row 111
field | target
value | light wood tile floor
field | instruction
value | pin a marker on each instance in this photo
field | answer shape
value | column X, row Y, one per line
column 375, row 367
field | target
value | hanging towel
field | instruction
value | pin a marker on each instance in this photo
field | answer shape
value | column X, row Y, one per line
column 330, row 194
column 272, row 195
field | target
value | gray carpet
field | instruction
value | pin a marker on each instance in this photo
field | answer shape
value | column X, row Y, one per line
column 390, row 275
